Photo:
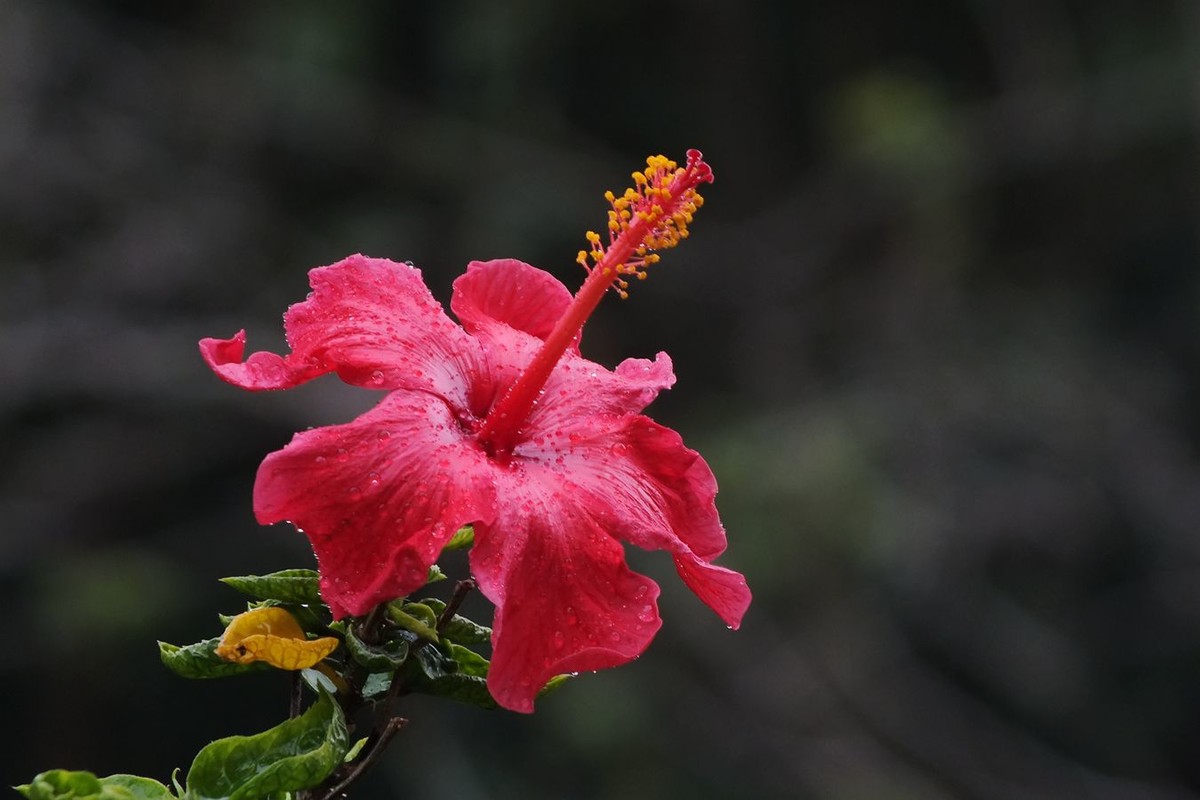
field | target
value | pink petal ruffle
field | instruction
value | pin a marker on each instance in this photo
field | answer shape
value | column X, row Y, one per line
column 372, row 321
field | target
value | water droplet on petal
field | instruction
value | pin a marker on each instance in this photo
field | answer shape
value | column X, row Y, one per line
column 377, row 377
column 620, row 449
column 559, row 640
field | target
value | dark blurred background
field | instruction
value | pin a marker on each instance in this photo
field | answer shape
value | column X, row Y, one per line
column 937, row 331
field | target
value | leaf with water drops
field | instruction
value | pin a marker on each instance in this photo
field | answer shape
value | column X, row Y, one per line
column 200, row 660
column 295, row 755
column 385, row 656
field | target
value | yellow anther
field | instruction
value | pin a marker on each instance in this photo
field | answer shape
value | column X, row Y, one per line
column 655, row 213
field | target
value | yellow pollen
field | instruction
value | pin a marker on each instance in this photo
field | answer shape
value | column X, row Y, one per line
column 656, row 212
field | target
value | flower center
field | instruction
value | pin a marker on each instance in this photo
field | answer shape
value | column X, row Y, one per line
column 652, row 215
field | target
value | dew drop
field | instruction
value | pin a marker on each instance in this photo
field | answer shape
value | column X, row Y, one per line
column 559, row 640
column 355, row 493
column 377, row 377
column 646, row 614
column 620, row 449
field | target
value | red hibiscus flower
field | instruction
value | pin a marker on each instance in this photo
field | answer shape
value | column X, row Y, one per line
column 501, row 424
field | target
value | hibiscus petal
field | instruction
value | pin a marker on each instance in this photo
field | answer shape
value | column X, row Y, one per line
column 259, row 371
column 582, row 394
column 371, row 320
column 565, row 599
column 378, row 497
column 511, row 293
column 642, row 484
column 721, row 589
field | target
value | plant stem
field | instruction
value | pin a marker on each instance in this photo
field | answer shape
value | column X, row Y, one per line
column 461, row 590
column 297, row 699
column 387, row 724
column 374, row 750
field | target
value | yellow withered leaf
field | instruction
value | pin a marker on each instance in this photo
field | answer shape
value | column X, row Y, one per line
column 272, row 635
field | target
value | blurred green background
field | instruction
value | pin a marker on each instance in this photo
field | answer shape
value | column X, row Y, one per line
column 937, row 331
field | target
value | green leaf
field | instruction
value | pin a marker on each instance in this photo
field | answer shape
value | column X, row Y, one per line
column 464, row 631
column 463, row 537
column 463, row 688
column 136, row 787
column 200, row 660
column 355, row 749
column 61, row 784
column 383, row 657
column 318, row 681
column 295, row 755
column 377, row 684
column 434, row 673
column 458, row 628
column 469, row 662
column 554, row 684
column 286, row 586
column 414, row 617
